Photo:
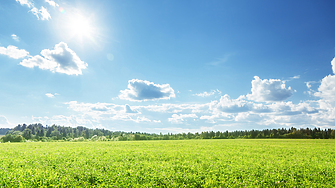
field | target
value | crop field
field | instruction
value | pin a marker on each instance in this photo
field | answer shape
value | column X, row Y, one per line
column 185, row 163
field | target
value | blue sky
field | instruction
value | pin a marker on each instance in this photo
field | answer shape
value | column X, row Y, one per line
column 167, row 66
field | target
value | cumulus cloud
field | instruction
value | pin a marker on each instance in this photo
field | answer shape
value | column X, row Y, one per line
column 327, row 88
column 249, row 117
column 233, row 105
column 15, row 37
column 52, row 3
column 288, row 108
column 62, row 59
column 206, row 94
column 228, row 105
column 13, row 52
column 181, row 117
column 269, row 90
column 142, row 90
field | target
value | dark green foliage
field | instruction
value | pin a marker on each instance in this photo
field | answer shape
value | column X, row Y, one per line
column 3, row 131
column 12, row 138
column 54, row 132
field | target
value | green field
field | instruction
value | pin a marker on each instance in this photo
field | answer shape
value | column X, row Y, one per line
column 185, row 163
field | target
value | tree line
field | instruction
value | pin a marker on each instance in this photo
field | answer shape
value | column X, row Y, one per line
column 38, row 132
column 4, row 130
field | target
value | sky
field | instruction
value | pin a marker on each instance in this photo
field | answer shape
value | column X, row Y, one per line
column 168, row 66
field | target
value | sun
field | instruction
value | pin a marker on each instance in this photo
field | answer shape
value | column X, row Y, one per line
column 80, row 26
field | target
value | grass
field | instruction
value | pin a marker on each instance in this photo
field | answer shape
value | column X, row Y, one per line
column 185, row 163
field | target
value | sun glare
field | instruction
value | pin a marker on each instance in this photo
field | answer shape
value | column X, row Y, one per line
column 80, row 26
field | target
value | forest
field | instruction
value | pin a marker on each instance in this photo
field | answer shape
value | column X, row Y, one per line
column 38, row 132
column 4, row 130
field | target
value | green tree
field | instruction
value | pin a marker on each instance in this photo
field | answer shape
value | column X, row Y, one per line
column 27, row 133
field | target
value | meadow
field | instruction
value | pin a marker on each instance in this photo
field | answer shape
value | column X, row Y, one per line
column 170, row 163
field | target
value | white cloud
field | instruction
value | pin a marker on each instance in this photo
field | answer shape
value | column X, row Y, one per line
column 288, row 108
column 25, row 2
column 333, row 65
column 3, row 120
column 4, row 123
column 15, row 37
column 249, row 117
column 142, row 90
column 13, row 52
column 50, row 95
column 206, row 94
column 35, row 11
column 238, row 105
column 52, row 3
column 97, row 112
column 327, row 88
column 128, row 109
column 62, row 59
column 42, row 12
column 233, row 105
column 181, row 117
column 177, row 108
column 269, row 90
column 295, row 77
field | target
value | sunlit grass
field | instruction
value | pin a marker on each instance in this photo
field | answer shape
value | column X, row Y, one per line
column 190, row 163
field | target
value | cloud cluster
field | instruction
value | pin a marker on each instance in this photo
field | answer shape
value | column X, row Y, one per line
column 271, row 90
column 181, row 117
column 107, row 112
column 62, row 59
column 13, row 52
column 41, row 13
column 142, row 90
column 245, row 112
column 206, row 94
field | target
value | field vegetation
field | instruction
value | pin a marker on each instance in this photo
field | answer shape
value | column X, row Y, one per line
column 170, row 163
